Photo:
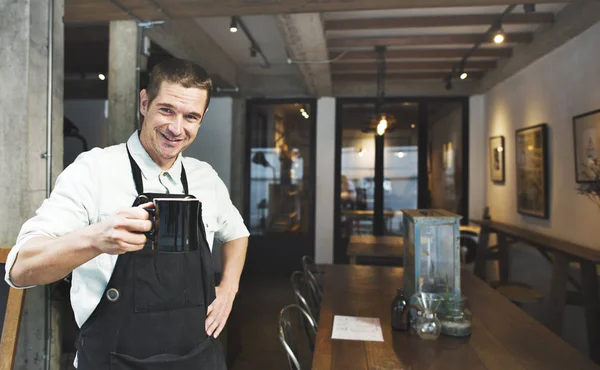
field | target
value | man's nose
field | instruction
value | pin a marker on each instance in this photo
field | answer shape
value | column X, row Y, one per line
column 176, row 126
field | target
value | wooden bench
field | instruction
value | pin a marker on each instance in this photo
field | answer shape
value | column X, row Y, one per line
column 559, row 253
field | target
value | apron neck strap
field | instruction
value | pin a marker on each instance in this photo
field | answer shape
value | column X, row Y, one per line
column 137, row 175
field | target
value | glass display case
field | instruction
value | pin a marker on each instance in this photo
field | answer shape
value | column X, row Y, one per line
column 431, row 252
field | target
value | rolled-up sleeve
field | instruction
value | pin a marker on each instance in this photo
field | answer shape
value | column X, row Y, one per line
column 231, row 224
column 67, row 209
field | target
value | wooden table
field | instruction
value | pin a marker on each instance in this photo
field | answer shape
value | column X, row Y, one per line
column 504, row 337
column 560, row 253
column 381, row 246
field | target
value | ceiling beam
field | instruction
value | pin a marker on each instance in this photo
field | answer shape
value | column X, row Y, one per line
column 504, row 52
column 103, row 10
column 573, row 20
column 523, row 37
column 184, row 38
column 305, row 41
column 365, row 76
column 410, row 88
column 436, row 21
column 404, row 66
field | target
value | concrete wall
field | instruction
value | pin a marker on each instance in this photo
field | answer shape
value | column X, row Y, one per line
column 552, row 90
column 23, row 103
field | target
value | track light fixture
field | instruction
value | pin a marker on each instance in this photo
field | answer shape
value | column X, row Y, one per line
column 448, row 81
column 529, row 8
column 233, row 25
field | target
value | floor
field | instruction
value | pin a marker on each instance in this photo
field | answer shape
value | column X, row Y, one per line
column 253, row 341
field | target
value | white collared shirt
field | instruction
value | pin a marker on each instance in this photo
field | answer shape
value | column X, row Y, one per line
column 99, row 183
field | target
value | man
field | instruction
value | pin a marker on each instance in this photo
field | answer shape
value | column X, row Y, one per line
column 138, row 309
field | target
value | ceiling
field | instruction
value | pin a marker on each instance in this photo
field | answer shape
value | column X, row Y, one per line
column 424, row 44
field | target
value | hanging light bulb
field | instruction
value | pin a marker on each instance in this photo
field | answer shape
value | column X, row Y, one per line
column 233, row 25
column 499, row 36
column 382, row 126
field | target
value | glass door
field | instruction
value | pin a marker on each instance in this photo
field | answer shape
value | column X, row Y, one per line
column 280, row 195
column 420, row 161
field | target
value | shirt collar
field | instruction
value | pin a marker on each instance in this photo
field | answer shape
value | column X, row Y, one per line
column 150, row 170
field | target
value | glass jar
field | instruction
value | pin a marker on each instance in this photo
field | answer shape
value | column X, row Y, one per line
column 427, row 325
column 399, row 319
column 455, row 317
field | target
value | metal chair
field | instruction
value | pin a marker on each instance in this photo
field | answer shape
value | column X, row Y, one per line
column 313, row 275
column 286, row 329
column 304, row 297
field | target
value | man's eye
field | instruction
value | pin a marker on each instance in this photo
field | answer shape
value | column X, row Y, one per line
column 166, row 110
column 192, row 118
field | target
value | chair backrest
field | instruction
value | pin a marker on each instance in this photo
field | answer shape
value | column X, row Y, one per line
column 312, row 273
column 303, row 294
column 286, row 330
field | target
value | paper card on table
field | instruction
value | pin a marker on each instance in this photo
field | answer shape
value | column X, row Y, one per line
column 357, row 328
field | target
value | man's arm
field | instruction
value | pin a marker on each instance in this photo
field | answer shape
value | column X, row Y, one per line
column 233, row 255
column 45, row 259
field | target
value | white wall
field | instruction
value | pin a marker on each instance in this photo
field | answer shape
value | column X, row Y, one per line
column 552, row 90
column 213, row 142
column 91, row 118
column 477, row 162
column 325, row 180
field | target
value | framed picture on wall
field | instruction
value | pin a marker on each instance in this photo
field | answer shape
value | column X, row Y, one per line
column 497, row 158
column 586, row 137
column 532, row 171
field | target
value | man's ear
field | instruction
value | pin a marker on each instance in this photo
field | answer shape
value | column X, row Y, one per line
column 143, row 102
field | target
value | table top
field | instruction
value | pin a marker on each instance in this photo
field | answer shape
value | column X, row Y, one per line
column 504, row 337
column 376, row 246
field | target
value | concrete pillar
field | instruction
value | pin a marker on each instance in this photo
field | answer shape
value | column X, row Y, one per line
column 122, row 81
column 23, row 103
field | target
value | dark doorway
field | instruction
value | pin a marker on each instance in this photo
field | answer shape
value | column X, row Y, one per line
column 280, row 175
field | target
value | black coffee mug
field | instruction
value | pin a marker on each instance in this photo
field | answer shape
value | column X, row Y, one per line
column 174, row 225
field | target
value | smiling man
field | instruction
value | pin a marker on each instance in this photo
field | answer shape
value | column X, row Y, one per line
column 134, row 314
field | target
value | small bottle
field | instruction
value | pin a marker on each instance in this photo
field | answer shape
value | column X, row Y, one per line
column 399, row 320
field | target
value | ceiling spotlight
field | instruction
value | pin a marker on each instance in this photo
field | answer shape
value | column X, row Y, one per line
column 464, row 75
column 101, row 76
column 400, row 154
column 499, row 36
column 413, row 126
column 529, row 8
column 233, row 25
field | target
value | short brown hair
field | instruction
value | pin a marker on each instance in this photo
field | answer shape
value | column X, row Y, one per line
column 179, row 71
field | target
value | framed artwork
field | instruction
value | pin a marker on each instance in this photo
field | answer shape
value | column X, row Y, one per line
column 497, row 159
column 532, row 171
column 586, row 138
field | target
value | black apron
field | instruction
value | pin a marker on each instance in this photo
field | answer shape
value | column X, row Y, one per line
column 152, row 313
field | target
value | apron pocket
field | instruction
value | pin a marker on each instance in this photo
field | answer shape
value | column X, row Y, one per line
column 167, row 280
column 208, row 355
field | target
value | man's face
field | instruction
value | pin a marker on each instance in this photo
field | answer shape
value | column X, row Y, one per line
column 171, row 122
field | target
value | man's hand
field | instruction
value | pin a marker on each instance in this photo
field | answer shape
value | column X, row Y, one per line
column 122, row 232
column 219, row 310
